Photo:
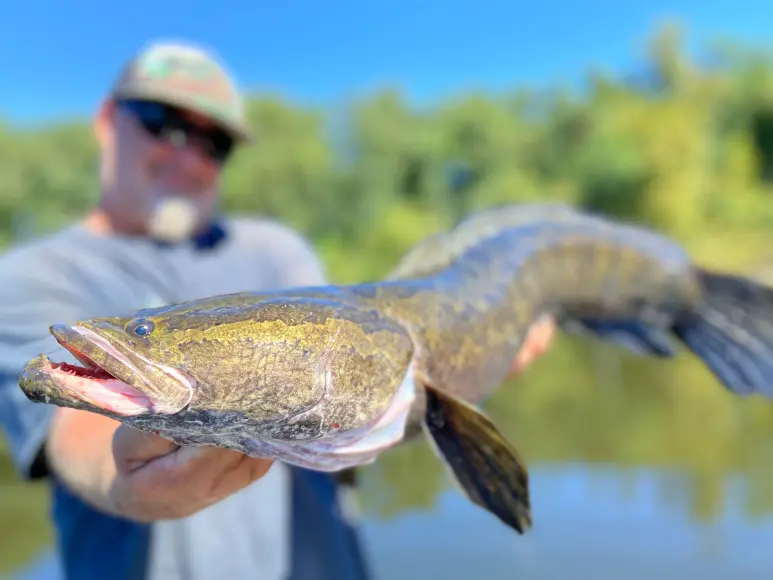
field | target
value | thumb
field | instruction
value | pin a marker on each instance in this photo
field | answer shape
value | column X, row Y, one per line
column 133, row 448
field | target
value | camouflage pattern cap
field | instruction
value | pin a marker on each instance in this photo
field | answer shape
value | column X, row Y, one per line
column 187, row 77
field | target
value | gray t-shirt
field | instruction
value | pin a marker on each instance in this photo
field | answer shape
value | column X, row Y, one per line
column 287, row 526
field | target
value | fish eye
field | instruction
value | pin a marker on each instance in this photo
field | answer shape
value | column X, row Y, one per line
column 141, row 327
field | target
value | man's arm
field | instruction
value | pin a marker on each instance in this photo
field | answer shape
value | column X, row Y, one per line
column 116, row 469
column 27, row 308
column 45, row 439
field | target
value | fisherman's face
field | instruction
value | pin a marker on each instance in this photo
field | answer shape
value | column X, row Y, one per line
column 161, row 167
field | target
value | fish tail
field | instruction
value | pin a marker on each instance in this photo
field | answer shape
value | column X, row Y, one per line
column 732, row 331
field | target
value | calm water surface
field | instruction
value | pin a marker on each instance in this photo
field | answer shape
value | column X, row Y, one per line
column 590, row 522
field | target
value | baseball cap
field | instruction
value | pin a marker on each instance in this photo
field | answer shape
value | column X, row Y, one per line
column 186, row 76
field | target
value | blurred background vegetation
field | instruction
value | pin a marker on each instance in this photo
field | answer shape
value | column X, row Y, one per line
column 681, row 145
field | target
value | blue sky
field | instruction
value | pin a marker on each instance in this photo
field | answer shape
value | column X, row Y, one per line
column 58, row 56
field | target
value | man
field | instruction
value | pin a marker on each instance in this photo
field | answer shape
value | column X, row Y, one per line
column 125, row 504
column 128, row 505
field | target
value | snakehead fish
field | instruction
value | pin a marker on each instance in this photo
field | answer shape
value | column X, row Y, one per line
column 329, row 377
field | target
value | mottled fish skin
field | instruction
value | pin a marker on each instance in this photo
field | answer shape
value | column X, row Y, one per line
column 309, row 364
column 439, row 250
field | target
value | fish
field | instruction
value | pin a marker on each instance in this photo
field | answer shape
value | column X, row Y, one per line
column 329, row 377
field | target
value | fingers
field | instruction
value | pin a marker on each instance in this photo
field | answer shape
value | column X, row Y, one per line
column 155, row 461
column 133, row 449
column 215, row 464
column 204, row 474
column 168, row 481
column 237, row 475
column 542, row 335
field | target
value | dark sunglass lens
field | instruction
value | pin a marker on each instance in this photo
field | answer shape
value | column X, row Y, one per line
column 221, row 145
column 152, row 116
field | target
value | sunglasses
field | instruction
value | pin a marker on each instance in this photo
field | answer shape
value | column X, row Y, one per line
column 168, row 123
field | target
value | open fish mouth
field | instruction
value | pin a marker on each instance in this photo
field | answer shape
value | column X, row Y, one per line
column 106, row 378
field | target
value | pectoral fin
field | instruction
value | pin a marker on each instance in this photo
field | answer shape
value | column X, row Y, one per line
column 486, row 466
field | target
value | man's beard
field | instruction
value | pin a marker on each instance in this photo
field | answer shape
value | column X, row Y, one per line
column 174, row 219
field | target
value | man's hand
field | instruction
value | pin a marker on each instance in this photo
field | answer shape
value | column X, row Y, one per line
column 156, row 479
column 139, row 476
column 536, row 344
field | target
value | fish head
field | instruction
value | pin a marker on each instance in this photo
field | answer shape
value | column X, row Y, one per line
column 126, row 368
column 274, row 365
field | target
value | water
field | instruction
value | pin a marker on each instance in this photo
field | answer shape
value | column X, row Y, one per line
column 602, row 523
column 596, row 523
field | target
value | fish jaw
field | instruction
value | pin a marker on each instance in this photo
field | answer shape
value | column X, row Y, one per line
column 109, row 382
column 356, row 447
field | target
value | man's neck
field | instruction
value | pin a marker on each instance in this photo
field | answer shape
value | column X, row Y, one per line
column 99, row 222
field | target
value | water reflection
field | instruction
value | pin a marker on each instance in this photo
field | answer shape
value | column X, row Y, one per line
column 600, row 523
